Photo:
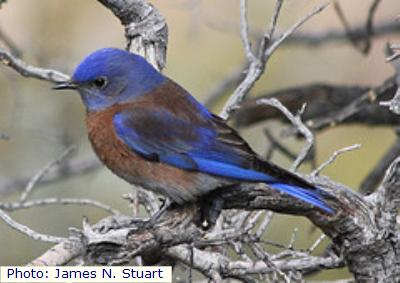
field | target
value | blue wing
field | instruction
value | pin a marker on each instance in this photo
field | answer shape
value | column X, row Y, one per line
column 204, row 145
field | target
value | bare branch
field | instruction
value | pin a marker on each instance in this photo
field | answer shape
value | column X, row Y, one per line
column 374, row 178
column 333, row 158
column 28, row 231
column 226, row 84
column 257, row 66
column 145, row 29
column 39, row 175
column 313, row 39
column 388, row 194
column 293, row 28
column 274, row 20
column 12, row 206
column 392, row 58
column 60, row 254
column 394, row 103
column 30, row 71
column 244, row 31
column 327, row 105
column 331, row 36
column 275, row 144
column 316, row 243
column 69, row 169
column 264, row 224
column 298, row 125
column 368, row 27
column 234, row 269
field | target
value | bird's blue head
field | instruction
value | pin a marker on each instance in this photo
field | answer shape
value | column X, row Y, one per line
column 112, row 76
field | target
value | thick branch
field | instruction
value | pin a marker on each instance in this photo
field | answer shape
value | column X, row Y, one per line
column 118, row 243
column 145, row 29
column 327, row 105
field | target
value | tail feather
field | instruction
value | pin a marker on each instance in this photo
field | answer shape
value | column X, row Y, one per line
column 271, row 174
column 313, row 197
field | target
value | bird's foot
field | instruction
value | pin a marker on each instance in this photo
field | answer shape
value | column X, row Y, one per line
column 166, row 204
column 210, row 211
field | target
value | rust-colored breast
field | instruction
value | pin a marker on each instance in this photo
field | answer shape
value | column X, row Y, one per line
column 180, row 185
column 108, row 147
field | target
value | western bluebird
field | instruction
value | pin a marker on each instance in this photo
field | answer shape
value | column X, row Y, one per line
column 151, row 132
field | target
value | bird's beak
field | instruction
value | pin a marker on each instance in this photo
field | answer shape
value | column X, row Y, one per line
column 65, row 85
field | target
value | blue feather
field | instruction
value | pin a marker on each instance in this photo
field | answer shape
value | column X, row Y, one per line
column 312, row 197
column 231, row 171
column 204, row 154
column 196, row 148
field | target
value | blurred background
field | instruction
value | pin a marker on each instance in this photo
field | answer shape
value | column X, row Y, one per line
column 204, row 47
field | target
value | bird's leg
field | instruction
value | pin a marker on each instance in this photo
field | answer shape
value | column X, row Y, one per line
column 210, row 211
column 167, row 203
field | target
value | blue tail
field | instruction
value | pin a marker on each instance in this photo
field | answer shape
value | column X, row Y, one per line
column 312, row 197
column 300, row 191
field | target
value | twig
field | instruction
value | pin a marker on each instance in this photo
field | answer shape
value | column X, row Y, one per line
column 298, row 125
column 224, row 85
column 328, row 36
column 148, row 200
column 231, row 268
column 333, row 158
column 39, row 175
column 251, row 220
column 30, row 71
column 347, row 111
column 293, row 28
column 264, row 224
column 293, row 238
column 28, row 231
column 12, row 206
column 345, row 23
column 307, row 38
column 244, row 31
column 394, row 103
column 347, row 104
column 368, row 26
column 276, row 144
column 257, row 64
column 69, row 169
column 261, row 254
column 316, row 243
column 274, row 20
column 393, row 57
column 331, row 36
column 239, row 73
column 371, row 182
column 60, row 254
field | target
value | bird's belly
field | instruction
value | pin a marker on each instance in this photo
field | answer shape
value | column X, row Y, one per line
column 180, row 185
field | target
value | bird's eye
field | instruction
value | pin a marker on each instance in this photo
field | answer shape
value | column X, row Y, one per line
column 100, row 82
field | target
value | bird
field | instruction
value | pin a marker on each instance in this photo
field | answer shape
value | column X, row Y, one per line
column 151, row 132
